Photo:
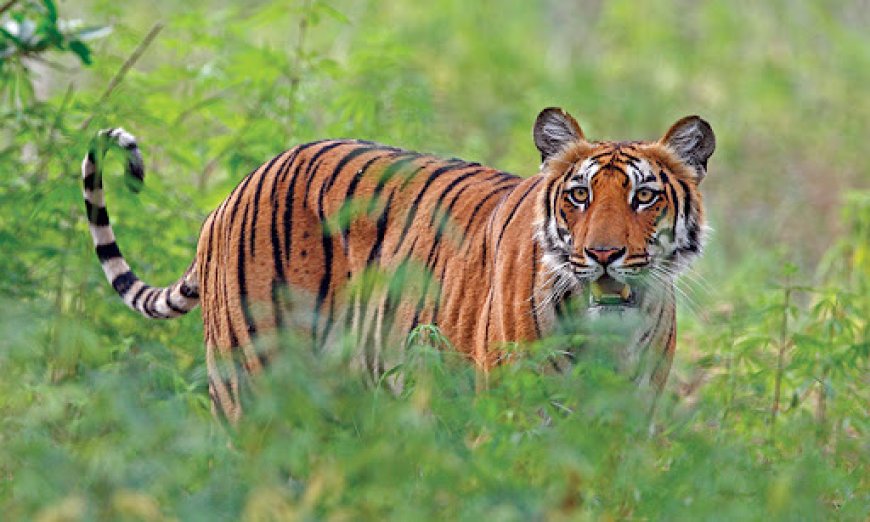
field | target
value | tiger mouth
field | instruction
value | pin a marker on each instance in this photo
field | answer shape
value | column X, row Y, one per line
column 606, row 292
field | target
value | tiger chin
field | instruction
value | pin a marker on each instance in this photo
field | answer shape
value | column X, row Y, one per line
column 607, row 226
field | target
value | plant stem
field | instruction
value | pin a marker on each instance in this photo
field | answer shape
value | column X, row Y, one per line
column 780, row 360
column 729, row 371
column 822, row 398
column 296, row 74
column 119, row 76
column 5, row 7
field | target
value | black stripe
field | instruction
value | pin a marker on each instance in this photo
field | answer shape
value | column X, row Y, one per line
column 152, row 302
column 660, row 357
column 326, row 240
column 692, row 229
column 208, row 247
column 487, row 233
column 430, row 263
column 298, row 150
column 240, row 275
column 288, row 210
column 398, row 159
column 108, row 251
column 612, row 167
column 287, row 223
column 628, row 156
column 647, row 334
column 664, row 177
column 135, row 301
column 135, row 168
column 675, row 201
column 340, row 165
column 391, row 170
column 147, row 305
column 330, row 180
column 434, row 249
column 122, row 282
column 548, row 210
column 238, row 194
column 257, row 192
column 449, row 211
column 488, row 319
column 158, row 296
column 532, row 293
column 92, row 181
column 96, row 215
column 385, row 177
column 438, row 295
column 324, row 284
column 277, row 309
column 600, row 155
column 345, row 227
column 479, row 206
column 411, row 250
column 686, row 196
column 439, row 203
column 187, row 291
column 380, row 233
column 513, row 212
column 314, row 165
column 412, row 212
column 278, row 264
column 330, row 318
column 172, row 306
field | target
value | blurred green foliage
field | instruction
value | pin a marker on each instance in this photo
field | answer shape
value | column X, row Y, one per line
column 105, row 416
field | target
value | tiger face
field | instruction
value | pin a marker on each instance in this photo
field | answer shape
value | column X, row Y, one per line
column 619, row 220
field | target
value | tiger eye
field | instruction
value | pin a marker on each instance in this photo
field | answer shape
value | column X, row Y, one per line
column 578, row 196
column 644, row 196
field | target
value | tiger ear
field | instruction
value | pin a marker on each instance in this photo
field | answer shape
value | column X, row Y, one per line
column 554, row 129
column 693, row 141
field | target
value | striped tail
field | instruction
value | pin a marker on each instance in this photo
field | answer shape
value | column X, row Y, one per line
column 157, row 303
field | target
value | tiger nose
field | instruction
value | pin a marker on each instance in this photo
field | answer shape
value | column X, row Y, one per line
column 604, row 255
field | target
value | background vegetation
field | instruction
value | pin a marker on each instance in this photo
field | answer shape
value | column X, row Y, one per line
column 105, row 416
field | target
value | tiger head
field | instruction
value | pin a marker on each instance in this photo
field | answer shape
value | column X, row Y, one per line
column 618, row 221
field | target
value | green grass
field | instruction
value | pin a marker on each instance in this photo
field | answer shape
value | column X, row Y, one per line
column 106, row 416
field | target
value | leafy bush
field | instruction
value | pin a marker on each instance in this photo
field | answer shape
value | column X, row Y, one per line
column 103, row 416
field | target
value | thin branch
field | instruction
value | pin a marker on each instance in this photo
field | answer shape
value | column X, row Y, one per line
column 5, row 7
column 780, row 359
column 119, row 76
column 230, row 145
column 47, row 152
column 298, row 57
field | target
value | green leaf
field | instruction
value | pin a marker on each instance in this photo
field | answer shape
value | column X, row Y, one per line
column 93, row 33
column 82, row 50
column 51, row 10
column 332, row 12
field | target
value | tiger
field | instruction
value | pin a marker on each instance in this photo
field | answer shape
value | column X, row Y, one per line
column 609, row 223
